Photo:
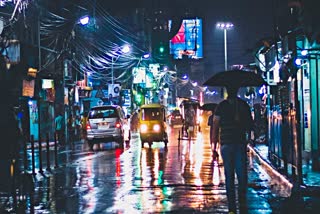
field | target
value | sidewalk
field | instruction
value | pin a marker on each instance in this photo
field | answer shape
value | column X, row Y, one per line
column 311, row 179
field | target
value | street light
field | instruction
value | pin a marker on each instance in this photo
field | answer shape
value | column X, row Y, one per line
column 225, row 26
column 84, row 20
column 122, row 50
column 146, row 56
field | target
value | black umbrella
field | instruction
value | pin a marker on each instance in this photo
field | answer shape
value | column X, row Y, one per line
column 235, row 79
column 208, row 106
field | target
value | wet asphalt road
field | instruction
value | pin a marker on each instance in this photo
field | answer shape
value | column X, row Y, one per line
column 179, row 179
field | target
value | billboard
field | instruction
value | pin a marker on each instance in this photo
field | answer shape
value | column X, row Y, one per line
column 188, row 40
column 139, row 75
column 47, row 83
column 28, row 88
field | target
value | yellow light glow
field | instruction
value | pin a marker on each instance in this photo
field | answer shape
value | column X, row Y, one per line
column 156, row 127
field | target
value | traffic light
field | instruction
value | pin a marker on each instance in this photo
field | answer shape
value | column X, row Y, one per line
column 138, row 98
column 161, row 49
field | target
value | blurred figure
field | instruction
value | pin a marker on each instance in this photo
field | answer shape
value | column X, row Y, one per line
column 134, row 121
column 190, row 121
column 77, row 124
column 215, row 154
column 71, row 128
column 84, row 122
column 210, row 124
column 59, row 124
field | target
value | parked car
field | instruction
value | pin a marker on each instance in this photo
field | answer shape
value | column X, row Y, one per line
column 107, row 123
column 175, row 118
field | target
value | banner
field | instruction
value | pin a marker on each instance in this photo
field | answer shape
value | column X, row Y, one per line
column 28, row 88
column 139, row 75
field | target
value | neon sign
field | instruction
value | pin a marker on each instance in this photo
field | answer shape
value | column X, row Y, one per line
column 188, row 40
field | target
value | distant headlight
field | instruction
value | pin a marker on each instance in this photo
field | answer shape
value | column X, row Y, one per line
column 156, row 128
column 143, row 128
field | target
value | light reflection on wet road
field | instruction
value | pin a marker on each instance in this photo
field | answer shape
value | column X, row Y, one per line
column 181, row 178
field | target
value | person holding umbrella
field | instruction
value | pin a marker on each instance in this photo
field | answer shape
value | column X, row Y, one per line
column 232, row 120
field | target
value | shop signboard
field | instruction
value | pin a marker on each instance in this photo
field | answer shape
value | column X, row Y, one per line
column 28, row 88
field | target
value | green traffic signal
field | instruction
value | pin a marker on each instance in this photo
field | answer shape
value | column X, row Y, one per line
column 138, row 98
column 161, row 49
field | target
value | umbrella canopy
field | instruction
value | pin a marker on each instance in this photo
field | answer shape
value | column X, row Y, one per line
column 209, row 106
column 235, row 79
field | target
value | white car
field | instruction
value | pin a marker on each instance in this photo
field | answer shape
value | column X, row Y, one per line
column 107, row 123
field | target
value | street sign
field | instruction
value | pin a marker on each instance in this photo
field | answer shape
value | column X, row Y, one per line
column 114, row 89
column 99, row 93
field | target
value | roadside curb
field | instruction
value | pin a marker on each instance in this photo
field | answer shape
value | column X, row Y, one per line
column 266, row 163
column 301, row 190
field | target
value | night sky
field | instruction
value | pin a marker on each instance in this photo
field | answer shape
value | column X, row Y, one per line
column 253, row 21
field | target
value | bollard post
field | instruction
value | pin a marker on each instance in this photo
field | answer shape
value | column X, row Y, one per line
column 55, row 151
column 25, row 156
column 48, row 153
column 13, row 179
column 32, row 156
column 40, row 156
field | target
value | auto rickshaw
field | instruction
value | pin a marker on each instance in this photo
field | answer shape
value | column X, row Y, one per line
column 153, row 127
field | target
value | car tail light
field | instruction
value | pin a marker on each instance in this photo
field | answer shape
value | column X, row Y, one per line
column 156, row 127
column 118, row 124
column 88, row 126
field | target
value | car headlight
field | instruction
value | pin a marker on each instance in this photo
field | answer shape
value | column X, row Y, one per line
column 156, row 127
column 143, row 128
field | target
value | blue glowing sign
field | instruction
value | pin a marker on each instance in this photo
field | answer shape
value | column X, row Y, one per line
column 188, row 40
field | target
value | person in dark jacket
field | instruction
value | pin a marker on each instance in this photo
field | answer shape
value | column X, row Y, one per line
column 59, row 127
column 231, row 123
column 210, row 124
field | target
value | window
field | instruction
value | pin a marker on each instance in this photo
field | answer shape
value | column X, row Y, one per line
column 103, row 113
column 151, row 114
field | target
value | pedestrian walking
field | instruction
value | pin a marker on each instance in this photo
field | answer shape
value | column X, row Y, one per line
column 190, row 121
column 210, row 124
column 231, row 123
column 59, row 124
column 215, row 154
column 134, row 121
column 71, row 128
column 77, row 126
column 83, row 122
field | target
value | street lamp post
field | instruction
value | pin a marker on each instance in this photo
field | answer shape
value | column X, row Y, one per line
column 122, row 50
column 225, row 26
